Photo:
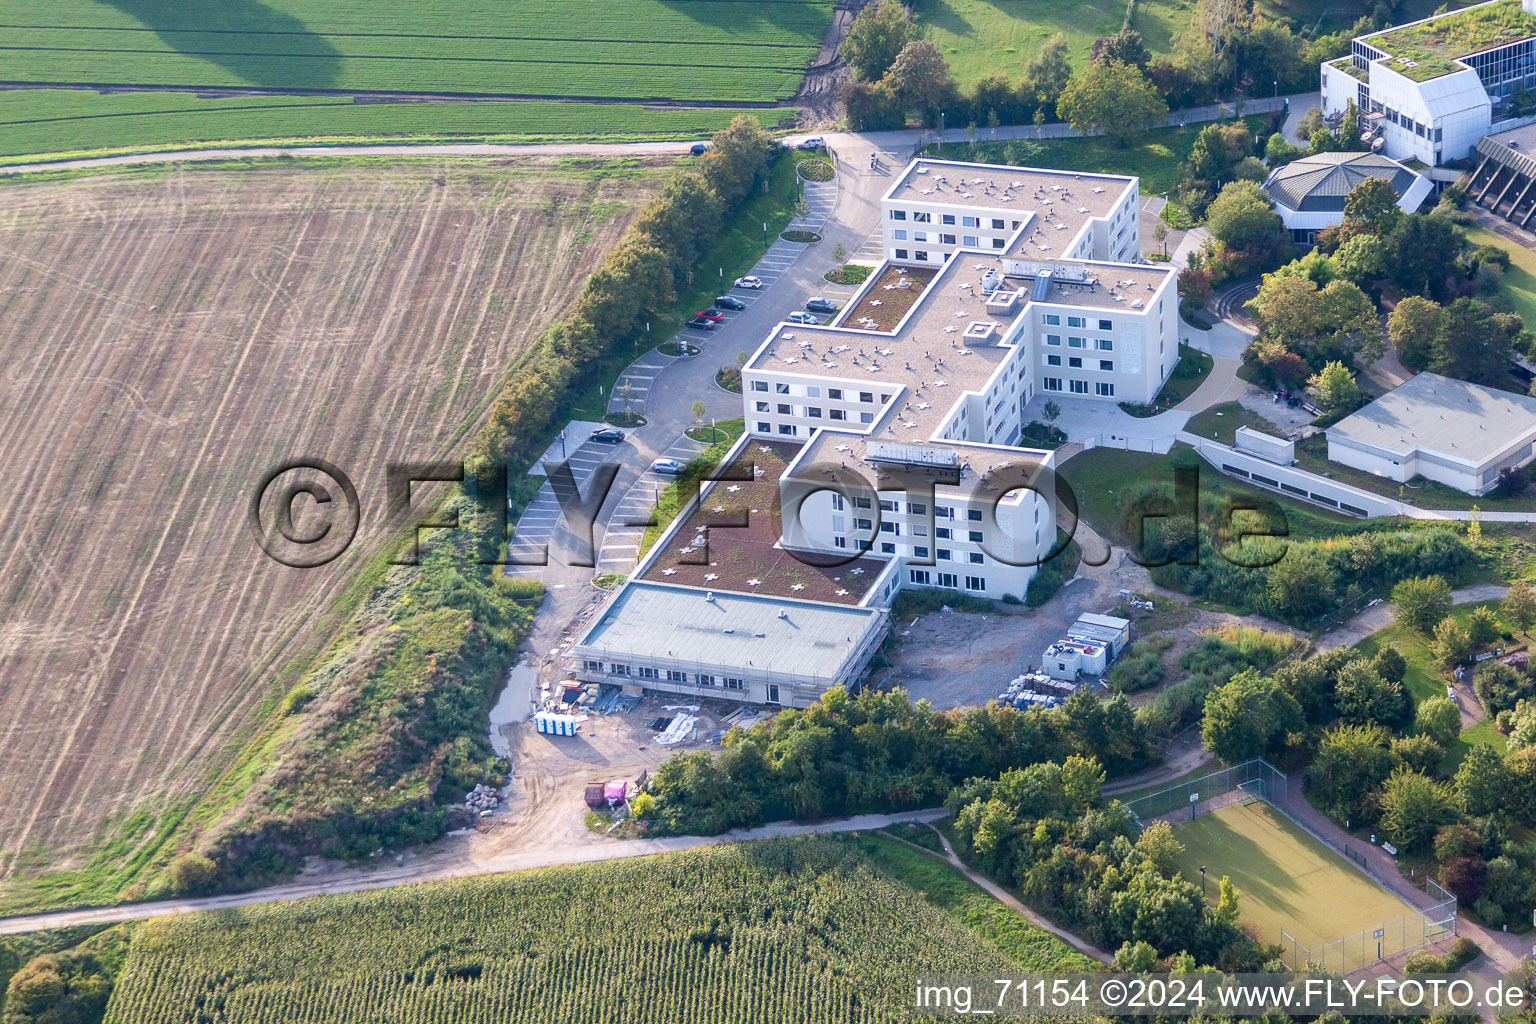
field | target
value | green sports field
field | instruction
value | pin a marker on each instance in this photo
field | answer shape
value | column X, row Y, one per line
column 1285, row 878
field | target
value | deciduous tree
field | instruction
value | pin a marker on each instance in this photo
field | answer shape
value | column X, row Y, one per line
column 1413, row 807
column 1113, row 99
column 1422, row 601
column 876, row 37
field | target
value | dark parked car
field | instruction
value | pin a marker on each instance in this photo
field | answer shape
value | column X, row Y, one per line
column 701, row 323
column 729, row 302
column 698, row 148
column 607, row 435
column 820, row 305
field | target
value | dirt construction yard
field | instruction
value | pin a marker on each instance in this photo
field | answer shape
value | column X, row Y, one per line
column 169, row 337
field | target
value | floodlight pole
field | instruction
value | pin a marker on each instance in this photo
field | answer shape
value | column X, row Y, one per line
column 1202, row 880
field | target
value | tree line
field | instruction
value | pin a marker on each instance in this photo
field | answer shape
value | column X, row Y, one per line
column 637, row 279
column 1122, row 90
column 879, row 752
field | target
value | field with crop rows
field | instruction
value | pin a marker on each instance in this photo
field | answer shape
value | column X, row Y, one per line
column 73, row 122
column 799, row 929
column 688, row 50
column 169, row 337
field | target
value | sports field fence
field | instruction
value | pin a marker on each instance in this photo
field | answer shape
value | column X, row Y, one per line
column 1370, row 945
column 1259, row 780
column 1242, row 783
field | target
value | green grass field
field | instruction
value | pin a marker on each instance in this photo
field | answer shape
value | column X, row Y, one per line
column 800, row 929
column 1519, row 288
column 1155, row 156
column 73, row 122
column 689, row 50
column 1285, row 878
column 978, row 37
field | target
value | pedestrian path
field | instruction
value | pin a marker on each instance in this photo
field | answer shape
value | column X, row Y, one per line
column 626, row 526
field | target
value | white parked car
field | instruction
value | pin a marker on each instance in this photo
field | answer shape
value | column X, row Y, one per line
column 670, row 467
column 750, row 281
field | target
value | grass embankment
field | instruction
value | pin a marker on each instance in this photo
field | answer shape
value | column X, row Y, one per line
column 1220, row 422
column 1099, row 475
column 64, row 124
column 979, row 37
column 808, row 929
column 676, row 495
column 1155, row 156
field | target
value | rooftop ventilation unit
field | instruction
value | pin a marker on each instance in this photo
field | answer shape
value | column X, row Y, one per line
column 980, row 331
column 911, row 454
column 1003, row 302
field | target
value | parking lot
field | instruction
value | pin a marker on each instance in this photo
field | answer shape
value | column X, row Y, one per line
column 626, row 525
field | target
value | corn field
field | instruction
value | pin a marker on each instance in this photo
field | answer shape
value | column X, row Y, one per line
column 795, row 929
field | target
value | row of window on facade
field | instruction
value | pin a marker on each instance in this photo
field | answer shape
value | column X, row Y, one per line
column 1102, row 388
column 924, row 578
column 924, row 217
column 969, row 241
column 670, row 675
column 814, row 391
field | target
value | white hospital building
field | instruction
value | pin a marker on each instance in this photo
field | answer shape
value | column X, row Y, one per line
column 883, row 451
column 1430, row 89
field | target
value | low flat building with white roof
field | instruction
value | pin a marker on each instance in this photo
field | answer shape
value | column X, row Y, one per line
column 1451, row 431
column 751, row 647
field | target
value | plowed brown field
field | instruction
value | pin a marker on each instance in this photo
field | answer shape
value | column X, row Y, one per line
column 163, row 342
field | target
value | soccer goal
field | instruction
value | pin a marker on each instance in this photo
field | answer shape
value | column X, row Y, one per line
column 1242, row 783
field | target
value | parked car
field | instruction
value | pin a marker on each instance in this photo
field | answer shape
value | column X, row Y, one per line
column 729, row 302
column 750, row 281
column 814, row 142
column 699, row 148
column 671, row 467
column 798, row 317
column 607, row 435
column 818, row 304
column 711, row 314
column 702, row 323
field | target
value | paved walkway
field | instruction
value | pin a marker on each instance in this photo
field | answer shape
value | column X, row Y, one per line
column 898, row 142
column 616, row 849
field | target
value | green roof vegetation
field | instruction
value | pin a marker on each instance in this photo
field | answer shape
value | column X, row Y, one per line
column 1347, row 65
column 1434, row 45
